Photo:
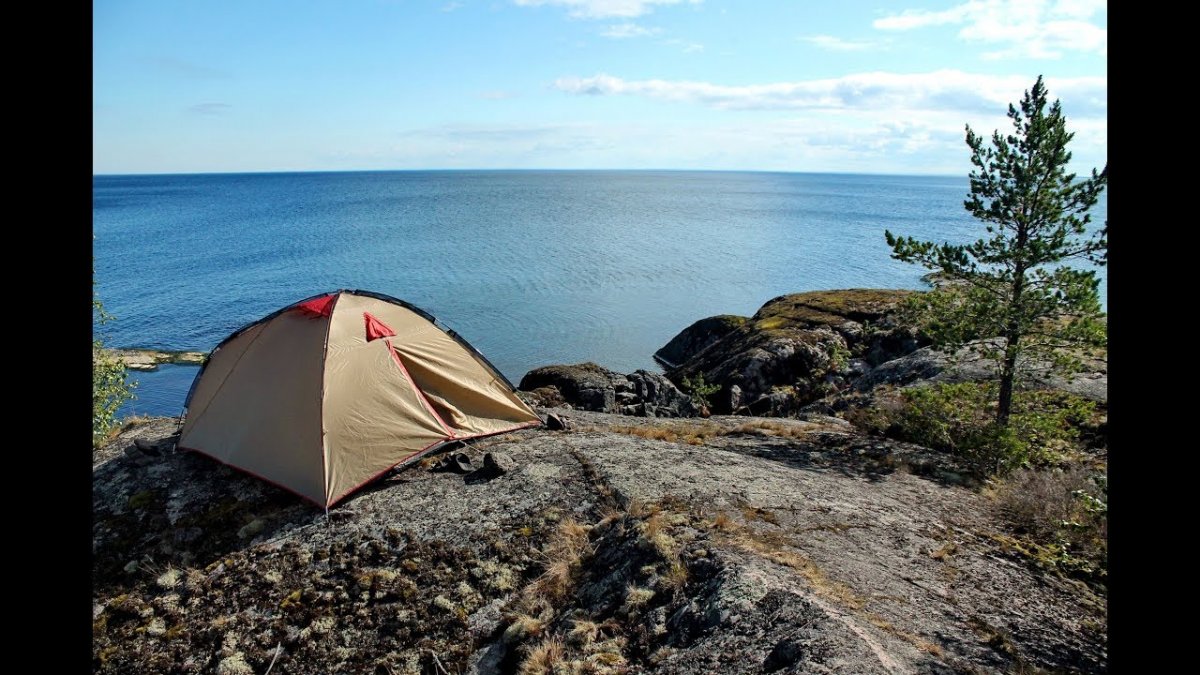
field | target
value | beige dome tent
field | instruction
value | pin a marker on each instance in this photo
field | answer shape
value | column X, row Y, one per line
column 327, row 394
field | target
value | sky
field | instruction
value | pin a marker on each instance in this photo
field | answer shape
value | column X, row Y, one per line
column 766, row 85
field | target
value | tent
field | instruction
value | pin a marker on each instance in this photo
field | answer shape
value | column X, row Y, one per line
column 327, row 394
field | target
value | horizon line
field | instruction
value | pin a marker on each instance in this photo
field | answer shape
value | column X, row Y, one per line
column 528, row 170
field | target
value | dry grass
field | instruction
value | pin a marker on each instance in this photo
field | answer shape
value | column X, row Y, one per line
column 563, row 556
column 779, row 549
column 723, row 522
column 1038, row 502
column 751, row 513
column 635, row 597
column 691, row 434
column 523, row 627
column 915, row 640
column 676, row 577
column 641, row 509
column 543, row 659
column 768, row 428
column 1059, row 519
column 948, row 549
column 584, row 632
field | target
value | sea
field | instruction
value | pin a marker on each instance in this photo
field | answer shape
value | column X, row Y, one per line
column 531, row 267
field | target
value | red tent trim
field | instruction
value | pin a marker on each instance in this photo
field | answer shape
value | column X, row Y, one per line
column 376, row 328
column 322, row 306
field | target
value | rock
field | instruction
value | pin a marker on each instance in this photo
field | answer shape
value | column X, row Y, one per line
column 149, row 359
column 697, row 337
column 545, row 397
column 498, row 463
column 929, row 366
column 152, row 448
column 784, row 654
column 805, row 342
column 588, row 386
column 735, row 397
column 556, row 423
column 348, row 595
column 660, row 396
column 583, row 385
column 454, row 462
column 138, row 457
column 252, row 528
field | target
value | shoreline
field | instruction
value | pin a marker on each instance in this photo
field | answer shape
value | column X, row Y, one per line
column 145, row 360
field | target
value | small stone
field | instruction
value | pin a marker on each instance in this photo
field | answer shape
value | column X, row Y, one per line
column 556, row 423
column 784, row 654
column 252, row 528
column 131, row 567
column 498, row 463
column 151, row 448
column 137, row 456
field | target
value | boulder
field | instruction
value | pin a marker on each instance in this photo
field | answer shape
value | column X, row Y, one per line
column 659, row 396
column 583, row 385
column 808, row 343
column 588, row 386
column 697, row 337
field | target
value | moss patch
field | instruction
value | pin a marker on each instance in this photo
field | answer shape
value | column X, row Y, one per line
column 829, row 308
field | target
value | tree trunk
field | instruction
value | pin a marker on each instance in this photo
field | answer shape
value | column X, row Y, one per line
column 1008, row 374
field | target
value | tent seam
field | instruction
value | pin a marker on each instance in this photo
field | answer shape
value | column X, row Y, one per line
column 420, row 394
column 321, row 401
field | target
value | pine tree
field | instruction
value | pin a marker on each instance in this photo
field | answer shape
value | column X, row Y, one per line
column 1022, row 288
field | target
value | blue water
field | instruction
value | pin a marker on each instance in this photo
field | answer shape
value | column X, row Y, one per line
column 531, row 267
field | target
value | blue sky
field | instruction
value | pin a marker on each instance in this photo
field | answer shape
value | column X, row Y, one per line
column 780, row 85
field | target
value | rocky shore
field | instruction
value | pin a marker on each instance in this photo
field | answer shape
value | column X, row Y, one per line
column 644, row 537
column 151, row 359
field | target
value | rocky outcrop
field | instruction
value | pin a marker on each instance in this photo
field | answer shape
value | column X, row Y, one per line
column 698, row 337
column 929, row 366
column 588, row 386
column 150, row 359
column 581, row 385
column 736, row 544
column 794, row 350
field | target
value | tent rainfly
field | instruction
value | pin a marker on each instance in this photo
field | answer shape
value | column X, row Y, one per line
column 327, row 394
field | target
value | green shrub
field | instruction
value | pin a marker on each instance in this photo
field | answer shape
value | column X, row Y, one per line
column 110, row 386
column 960, row 419
column 699, row 390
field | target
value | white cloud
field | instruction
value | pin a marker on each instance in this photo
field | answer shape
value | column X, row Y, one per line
column 882, row 122
column 685, row 45
column 837, row 44
column 1039, row 29
column 604, row 9
column 801, row 141
column 628, row 30
column 210, row 108
column 943, row 90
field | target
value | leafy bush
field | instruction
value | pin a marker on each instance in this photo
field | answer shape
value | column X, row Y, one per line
column 110, row 387
column 960, row 419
